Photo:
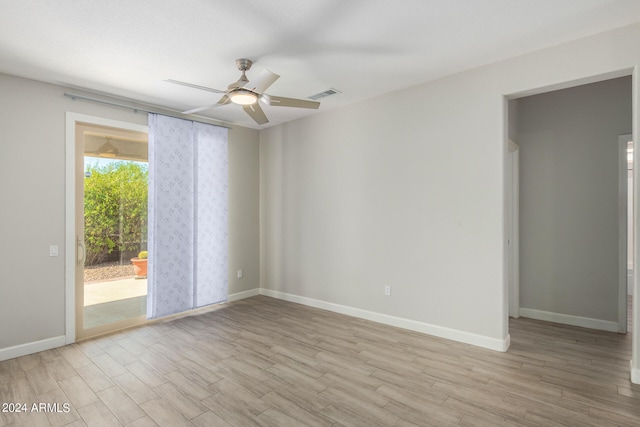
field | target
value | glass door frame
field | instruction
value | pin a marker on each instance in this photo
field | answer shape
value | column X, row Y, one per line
column 74, row 224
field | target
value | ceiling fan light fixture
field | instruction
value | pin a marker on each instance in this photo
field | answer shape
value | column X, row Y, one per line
column 243, row 97
column 108, row 150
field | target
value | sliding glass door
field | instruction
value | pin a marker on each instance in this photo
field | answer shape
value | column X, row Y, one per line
column 111, row 227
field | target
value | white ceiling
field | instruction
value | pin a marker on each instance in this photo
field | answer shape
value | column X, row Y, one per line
column 363, row 48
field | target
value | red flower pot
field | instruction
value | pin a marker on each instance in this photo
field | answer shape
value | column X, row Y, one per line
column 139, row 267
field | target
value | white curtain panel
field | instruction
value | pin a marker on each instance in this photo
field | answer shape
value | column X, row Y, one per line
column 188, row 215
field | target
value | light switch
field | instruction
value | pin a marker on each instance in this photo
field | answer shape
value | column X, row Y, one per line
column 239, row 274
column 53, row 250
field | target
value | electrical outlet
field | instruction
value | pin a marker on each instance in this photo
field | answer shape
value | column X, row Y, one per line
column 387, row 290
column 239, row 274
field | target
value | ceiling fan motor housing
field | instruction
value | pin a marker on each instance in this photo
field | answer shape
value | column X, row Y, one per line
column 244, row 64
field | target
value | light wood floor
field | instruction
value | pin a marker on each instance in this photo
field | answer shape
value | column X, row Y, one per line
column 261, row 361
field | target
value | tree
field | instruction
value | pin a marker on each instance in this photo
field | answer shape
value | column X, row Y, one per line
column 115, row 209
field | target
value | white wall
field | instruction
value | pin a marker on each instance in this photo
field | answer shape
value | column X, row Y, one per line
column 244, row 209
column 359, row 199
column 32, row 212
column 513, row 120
column 407, row 190
column 569, row 200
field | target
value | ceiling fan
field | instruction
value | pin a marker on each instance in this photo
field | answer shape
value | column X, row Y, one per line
column 98, row 145
column 247, row 93
column 107, row 150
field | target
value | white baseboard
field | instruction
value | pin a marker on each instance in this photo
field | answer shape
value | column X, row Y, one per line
column 635, row 374
column 47, row 344
column 435, row 330
column 244, row 294
column 31, row 347
column 566, row 319
column 426, row 328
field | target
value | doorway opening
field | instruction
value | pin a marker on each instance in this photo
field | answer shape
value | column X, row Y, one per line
column 111, row 228
column 573, row 266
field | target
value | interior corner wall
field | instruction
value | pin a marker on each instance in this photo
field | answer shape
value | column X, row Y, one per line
column 569, row 198
column 407, row 190
column 244, row 210
column 32, row 194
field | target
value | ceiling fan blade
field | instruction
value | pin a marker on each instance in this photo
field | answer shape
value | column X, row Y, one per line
column 265, row 79
column 223, row 101
column 197, row 110
column 280, row 101
column 194, row 86
column 256, row 113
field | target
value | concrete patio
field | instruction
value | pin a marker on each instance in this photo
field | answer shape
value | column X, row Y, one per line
column 113, row 290
column 114, row 300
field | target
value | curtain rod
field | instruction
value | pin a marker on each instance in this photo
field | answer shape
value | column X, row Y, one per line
column 129, row 107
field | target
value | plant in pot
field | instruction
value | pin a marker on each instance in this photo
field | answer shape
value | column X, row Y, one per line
column 140, row 265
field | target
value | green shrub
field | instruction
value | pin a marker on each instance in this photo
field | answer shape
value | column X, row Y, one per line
column 115, row 209
column 143, row 255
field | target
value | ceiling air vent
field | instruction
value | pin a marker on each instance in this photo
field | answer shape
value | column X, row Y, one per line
column 326, row 93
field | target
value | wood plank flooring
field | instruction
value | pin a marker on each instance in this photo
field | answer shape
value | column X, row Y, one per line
column 266, row 362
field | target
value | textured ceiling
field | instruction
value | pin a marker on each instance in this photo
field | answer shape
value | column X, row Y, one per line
column 364, row 48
